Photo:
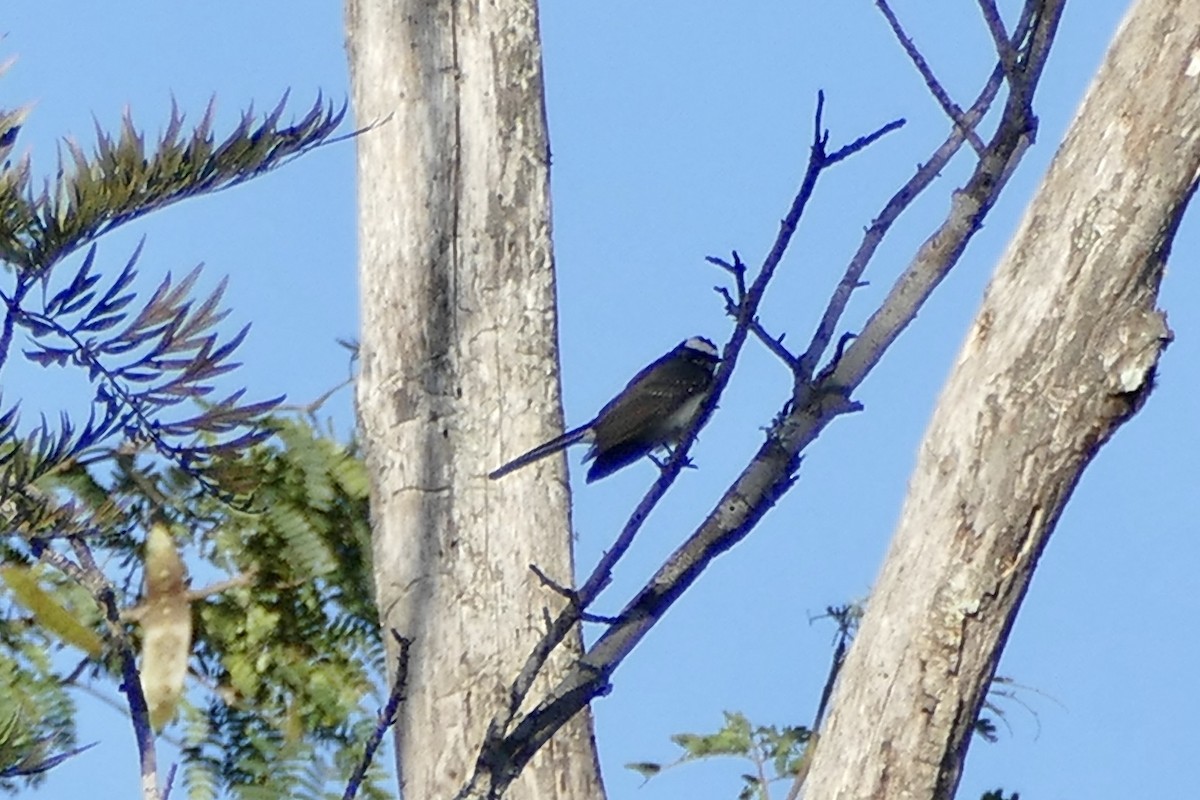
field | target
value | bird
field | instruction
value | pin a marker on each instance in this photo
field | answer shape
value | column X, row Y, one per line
column 654, row 410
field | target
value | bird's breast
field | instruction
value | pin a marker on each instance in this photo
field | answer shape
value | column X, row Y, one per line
column 679, row 419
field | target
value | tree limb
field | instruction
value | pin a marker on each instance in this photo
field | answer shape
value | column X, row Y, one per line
column 814, row 404
column 1062, row 352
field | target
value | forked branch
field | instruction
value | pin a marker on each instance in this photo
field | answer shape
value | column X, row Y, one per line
column 817, row 398
column 506, row 749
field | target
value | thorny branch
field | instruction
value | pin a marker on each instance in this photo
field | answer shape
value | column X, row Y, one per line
column 816, row 401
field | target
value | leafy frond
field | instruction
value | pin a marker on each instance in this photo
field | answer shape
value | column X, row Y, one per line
column 143, row 363
column 15, row 212
column 36, row 712
column 284, row 658
column 287, row 655
column 775, row 752
column 152, row 366
column 121, row 180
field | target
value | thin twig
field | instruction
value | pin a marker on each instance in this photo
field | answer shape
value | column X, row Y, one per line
column 737, row 269
column 845, row 151
column 24, row 769
column 838, row 352
column 552, row 584
column 931, row 82
column 731, row 305
column 115, row 705
column 310, row 409
column 89, row 575
column 504, row 752
column 924, row 175
column 244, row 579
column 760, row 766
column 166, row 795
column 776, row 346
column 842, row 616
column 835, row 667
column 387, row 717
column 195, row 595
column 772, row 343
column 1005, row 49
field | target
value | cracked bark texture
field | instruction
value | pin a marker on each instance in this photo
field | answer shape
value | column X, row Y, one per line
column 1061, row 353
column 458, row 332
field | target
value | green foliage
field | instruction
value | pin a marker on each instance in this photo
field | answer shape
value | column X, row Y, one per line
column 36, row 711
column 120, row 181
column 286, row 663
column 152, row 365
column 287, row 656
column 295, row 651
column 782, row 753
column 774, row 752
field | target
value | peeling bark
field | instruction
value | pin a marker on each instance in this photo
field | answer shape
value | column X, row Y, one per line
column 1062, row 352
column 459, row 331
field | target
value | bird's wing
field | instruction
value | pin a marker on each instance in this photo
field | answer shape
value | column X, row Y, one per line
column 615, row 458
column 660, row 391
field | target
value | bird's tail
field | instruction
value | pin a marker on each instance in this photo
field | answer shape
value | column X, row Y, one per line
column 542, row 450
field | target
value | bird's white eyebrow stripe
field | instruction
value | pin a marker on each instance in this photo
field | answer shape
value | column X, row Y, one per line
column 701, row 345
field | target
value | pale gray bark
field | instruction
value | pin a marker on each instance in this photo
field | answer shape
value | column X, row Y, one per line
column 459, row 333
column 1061, row 353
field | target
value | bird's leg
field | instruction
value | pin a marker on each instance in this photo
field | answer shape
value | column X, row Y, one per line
column 662, row 463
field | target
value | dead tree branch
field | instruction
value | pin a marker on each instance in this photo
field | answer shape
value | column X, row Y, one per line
column 387, row 717
column 1062, row 352
column 512, row 740
column 964, row 126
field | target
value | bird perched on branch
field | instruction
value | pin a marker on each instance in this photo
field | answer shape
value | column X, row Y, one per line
column 654, row 410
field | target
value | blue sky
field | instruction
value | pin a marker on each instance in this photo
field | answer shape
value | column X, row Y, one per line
column 679, row 130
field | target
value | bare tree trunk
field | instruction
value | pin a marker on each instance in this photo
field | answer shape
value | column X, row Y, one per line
column 459, row 329
column 1062, row 352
